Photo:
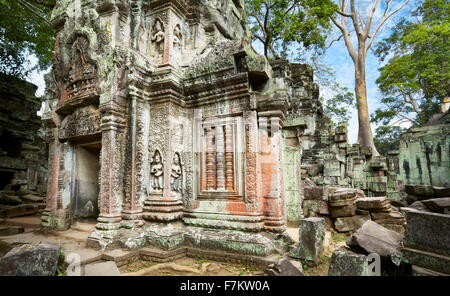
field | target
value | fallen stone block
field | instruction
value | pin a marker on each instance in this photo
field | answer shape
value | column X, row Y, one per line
column 397, row 203
column 386, row 215
column 441, row 191
column 419, row 190
column 374, row 238
column 311, row 240
column 108, row 268
column 31, row 260
column 318, row 192
column 285, row 267
column 345, row 224
column 343, row 198
column 345, row 211
column 400, row 229
column 397, row 221
column 30, row 198
column 316, row 206
column 11, row 230
column 429, row 260
column 345, row 262
column 438, row 205
column 371, row 203
column 417, row 205
column 21, row 210
column 427, row 231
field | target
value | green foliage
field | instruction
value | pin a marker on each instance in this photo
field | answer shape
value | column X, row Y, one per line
column 387, row 137
column 280, row 23
column 24, row 32
column 417, row 75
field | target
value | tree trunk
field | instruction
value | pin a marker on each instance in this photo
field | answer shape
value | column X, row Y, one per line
column 365, row 135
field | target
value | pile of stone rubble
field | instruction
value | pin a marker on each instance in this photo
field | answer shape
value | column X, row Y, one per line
column 346, row 209
column 20, row 203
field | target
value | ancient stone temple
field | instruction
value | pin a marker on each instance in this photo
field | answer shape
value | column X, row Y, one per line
column 164, row 123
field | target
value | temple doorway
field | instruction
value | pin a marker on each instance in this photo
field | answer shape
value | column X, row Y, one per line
column 86, row 191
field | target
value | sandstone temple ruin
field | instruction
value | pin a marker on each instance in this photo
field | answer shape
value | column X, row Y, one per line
column 166, row 126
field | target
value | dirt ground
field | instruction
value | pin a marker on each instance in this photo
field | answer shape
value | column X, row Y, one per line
column 189, row 267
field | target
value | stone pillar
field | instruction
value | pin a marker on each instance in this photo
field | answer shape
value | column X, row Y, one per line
column 229, row 166
column 220, row 144
column 211, row 176
column 138, row 148
column 53, row 176
column 272, row 173
column 111, row 196
column 252, row 159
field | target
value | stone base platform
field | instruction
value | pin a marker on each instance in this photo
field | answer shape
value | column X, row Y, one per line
column 167, row 242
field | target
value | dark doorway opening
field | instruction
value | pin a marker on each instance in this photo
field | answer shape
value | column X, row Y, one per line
column 87, row 189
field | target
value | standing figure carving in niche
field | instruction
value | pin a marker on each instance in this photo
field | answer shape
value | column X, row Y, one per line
column 177, row 37
column 156, row 172
column 176, row 173
column 158, row 36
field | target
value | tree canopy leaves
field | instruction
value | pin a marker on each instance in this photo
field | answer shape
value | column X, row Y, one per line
column 417, row 75
column 279, row 23
column 24, row 32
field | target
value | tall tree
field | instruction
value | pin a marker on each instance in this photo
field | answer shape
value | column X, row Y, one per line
column 363, row 23
column 416, row 77
column 24, row 31
column 278, row 23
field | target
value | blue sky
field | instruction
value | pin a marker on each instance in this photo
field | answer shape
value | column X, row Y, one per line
column 337, row 57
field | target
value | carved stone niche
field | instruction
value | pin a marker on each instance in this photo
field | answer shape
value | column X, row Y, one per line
column 219, row 156
column 83, row 123
column 80, row 76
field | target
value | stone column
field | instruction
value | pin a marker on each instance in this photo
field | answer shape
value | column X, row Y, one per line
column 220, row 144
column 272, row 173
column 229, row 166
column 111, row 197
column 139, row 135
column 211, row 176
column 53, row 177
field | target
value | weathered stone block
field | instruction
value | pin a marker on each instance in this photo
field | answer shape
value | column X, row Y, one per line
column 441, row 191
column 345, row 224
column 316, row 206
column 318, row 192
column 311, row 240
column 345, row 211
column 386, row 215
column 286, row 267
column 437, row 205
column 343, row 197
column 427, row 231
column 371, row 203
column 419, row 190
column 345, row 262
column 30, row 198
column 427, row 260
column 374, row 238
column 31, row 260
